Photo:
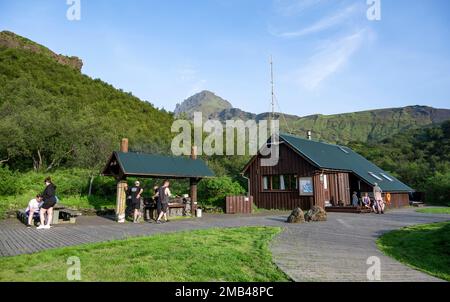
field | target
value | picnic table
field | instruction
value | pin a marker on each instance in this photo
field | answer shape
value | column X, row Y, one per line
column 61, row 215
column 178, row 206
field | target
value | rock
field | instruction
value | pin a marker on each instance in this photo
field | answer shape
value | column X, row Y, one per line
column 296, row 216
column 11, row 40
column 316, row 214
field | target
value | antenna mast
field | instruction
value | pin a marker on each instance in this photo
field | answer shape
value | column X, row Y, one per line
column 273, row 91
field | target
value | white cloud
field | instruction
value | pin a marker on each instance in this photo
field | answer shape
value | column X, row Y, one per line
column 323, row 24
column 330, row 58
column 187, row 74
column 294, row 7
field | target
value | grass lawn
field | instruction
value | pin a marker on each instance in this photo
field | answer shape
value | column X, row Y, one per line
column 443, row 210
column 237, row 254
column 423, row 247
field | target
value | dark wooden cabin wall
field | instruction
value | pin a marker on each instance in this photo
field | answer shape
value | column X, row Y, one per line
column 290, row 163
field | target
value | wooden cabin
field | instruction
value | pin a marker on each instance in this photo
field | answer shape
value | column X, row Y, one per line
column 315, row 173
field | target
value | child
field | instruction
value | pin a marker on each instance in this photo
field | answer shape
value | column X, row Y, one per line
column 33, row 209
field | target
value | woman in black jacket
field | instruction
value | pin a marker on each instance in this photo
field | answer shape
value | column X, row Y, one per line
column 49, row 197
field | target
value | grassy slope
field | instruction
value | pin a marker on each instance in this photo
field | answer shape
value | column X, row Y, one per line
column 239, row 254
column 423, row 247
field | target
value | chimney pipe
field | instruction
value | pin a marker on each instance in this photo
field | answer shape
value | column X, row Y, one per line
column 309, row 134
column 124, row 145
column 194, row 152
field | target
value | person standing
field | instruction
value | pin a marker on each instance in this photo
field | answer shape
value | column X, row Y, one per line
column 355, row 199
column 377, row 194
column 49, row 197
column 156, row 201
column 136, row 194
column 163, row 197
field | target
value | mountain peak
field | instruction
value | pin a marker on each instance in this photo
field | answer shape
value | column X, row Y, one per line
column 205, row 101
column 9, row 39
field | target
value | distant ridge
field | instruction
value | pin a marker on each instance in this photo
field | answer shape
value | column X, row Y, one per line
column 364, row 126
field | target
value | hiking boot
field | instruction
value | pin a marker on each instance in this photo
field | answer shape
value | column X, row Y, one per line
column 28, row 226
column 158, row 222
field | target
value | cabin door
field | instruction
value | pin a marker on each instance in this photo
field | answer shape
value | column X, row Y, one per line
column 339, row 189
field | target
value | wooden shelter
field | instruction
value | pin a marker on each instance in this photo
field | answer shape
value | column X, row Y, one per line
column 125, row 164
column 312, row 173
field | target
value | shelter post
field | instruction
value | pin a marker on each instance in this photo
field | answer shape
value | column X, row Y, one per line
column 122, row 188
column 193, row 183
column 193, row 192
column 121, row 201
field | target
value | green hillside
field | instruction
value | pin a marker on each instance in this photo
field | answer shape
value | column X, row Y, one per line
column 367, row 126
column 52, row 115
column 419, row 157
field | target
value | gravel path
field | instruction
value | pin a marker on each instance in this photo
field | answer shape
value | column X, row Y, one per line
column 335, row 250
column 338, row 249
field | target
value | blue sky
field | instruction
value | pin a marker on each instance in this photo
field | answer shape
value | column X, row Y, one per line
column 329, row 58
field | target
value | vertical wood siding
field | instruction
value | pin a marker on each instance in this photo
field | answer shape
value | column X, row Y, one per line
column 339, row 186
column 238, row 205
column 289, row 163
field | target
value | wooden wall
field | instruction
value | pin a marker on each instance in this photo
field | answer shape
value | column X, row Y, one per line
column 337, row 189
column 238, row 205
column 289, row 163
column 399, row 200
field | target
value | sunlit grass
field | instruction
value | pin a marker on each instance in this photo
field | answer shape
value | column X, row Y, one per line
column 423, row 247
column 442, row 210
column 237, row 254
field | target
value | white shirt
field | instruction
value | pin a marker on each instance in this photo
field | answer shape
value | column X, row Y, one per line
column 167, row 191
column 34, row 205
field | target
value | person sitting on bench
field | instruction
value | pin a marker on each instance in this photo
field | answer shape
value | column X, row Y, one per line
column 32, row 211
column 366, row 201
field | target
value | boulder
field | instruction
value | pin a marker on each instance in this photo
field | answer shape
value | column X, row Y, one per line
column 316, row 214
column 296, row 216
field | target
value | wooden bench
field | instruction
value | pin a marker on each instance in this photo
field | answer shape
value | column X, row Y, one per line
column 418, row 204
column 68, row 216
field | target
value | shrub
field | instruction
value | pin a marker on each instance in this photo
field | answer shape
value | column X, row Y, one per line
column 8, row 182
column 438, row 189
column 213, row 191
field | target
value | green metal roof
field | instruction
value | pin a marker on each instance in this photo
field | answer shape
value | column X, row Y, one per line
column 148, row 165
column 334, row 157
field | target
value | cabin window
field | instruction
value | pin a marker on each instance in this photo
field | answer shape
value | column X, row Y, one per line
column 291, row 181
column 284, row 182
column 387, row 177
column 276, row 182
column 375, row 176
column 266, row 183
